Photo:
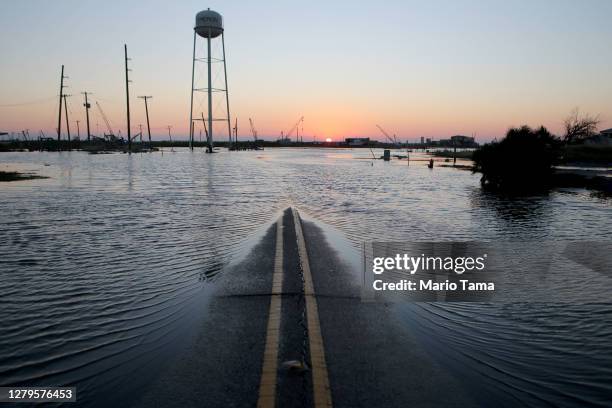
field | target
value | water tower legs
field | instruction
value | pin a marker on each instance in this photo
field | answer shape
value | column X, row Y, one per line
column 209, row 25
column 210, row 121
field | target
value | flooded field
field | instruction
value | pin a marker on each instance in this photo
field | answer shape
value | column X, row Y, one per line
column 107, row 262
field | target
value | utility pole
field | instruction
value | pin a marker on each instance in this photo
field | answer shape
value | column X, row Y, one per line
column 147, row 112
column 191, row 102
column 67, row 122
column 236, row 132
column 59, row 116
column 87, row 106
column 78, row 130
column 140, row 127
column 229, row 123
column 170, row 136
column 127, row 98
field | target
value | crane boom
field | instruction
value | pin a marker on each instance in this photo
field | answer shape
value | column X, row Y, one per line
column 253, row 131
column 290, row 132
column 391, row 139
column 108, row 126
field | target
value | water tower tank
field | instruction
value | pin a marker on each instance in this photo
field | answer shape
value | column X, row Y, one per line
column 209, row 24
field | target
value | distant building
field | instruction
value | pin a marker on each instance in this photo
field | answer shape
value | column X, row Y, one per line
column 428, row 140
column 422, row 140
column 357, row 141
column 459, row 141
column 462, row 139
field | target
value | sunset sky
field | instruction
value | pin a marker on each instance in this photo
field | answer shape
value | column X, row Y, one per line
column 417, row 68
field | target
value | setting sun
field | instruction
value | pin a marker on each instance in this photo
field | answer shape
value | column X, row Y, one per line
column 328, row 140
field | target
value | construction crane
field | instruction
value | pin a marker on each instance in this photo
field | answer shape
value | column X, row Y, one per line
column 391, row 139
column 108, row 126
column 293, row 128
column 253, row 131
column 137, row 135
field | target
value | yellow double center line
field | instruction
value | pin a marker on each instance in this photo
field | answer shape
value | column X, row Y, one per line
column 267, row 386
column 320, row 380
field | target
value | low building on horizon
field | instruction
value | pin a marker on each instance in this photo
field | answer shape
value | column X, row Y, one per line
column 459, row 141
column 357, row 141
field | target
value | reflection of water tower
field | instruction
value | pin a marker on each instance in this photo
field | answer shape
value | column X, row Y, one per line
column 209, row 25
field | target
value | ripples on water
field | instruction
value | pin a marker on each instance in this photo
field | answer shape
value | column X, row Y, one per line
column 551, row 355
column 104, row 264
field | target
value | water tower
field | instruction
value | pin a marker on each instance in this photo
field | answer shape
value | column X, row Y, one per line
column 208, row 25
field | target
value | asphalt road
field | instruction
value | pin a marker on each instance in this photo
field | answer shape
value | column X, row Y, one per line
column 369, row 358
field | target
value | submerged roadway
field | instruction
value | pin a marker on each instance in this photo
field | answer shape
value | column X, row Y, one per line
column 287, row 328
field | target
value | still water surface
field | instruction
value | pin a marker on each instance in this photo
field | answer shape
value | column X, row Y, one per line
column 107, row 262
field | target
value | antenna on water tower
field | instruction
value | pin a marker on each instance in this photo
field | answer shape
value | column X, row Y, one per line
column 209, row 25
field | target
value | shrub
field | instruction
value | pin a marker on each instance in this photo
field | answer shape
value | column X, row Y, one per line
column 522, row 161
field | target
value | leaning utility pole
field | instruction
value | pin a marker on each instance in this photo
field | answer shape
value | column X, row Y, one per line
column 127, row 98
column 147, row 112
column 236, row 132
column 59, row 116
column 229, row 121
column 87, row 106
column 67, row 122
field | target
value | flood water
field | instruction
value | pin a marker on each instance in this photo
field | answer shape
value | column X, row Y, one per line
column 105, row 263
